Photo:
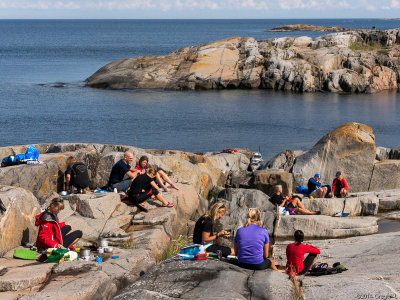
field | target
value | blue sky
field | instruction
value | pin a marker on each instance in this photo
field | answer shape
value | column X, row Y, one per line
column 203, row 9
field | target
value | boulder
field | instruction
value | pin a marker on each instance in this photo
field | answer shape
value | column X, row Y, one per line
column 17, row 223
column 350, row 148
column 266, row 180
column 283, row 160
column 41, row 179
column 238, row 202
column 208, row 279
column 103, row 169
column 326, row 227
column 384, row 170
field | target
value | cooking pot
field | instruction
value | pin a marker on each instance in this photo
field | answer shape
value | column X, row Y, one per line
column 103, row 243
column 85, row 252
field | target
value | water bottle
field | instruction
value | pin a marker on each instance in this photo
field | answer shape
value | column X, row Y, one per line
column 202, row 250
column 32, row 162
column 115, row 190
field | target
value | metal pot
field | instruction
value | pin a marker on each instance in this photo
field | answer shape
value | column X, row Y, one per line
column 84, row 252
column 103, row 243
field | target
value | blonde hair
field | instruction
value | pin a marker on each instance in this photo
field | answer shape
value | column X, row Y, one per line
column 151, row 171
column 71, row 160
column 58, row 203
column 214, row 210
column 253, row 217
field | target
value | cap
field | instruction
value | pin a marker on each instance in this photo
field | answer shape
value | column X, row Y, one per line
column 317, row 175
column 338, row 173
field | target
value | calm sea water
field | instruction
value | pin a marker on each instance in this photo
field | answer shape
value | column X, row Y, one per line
column 43, row 65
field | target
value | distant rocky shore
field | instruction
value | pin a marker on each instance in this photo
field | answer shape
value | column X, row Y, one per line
column 306, row 27
column 362, row 61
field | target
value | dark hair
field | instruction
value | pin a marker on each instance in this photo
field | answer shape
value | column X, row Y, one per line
column 298, row 237
column 143, row 158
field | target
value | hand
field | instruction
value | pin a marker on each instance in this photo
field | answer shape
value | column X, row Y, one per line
column 59, row 246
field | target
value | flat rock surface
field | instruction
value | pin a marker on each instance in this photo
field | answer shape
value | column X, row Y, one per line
column 207, row 280
column 372, row 268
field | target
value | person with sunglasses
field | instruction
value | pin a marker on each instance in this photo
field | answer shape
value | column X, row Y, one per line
column 52, row 233
column 204, row 230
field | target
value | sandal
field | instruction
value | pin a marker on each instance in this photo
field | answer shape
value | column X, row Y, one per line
column 169, row 204
column 141, row 207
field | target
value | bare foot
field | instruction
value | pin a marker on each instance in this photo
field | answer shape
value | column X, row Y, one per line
column 175, row 187
column 166, row 189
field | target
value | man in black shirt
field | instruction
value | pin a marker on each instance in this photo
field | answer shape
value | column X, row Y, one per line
column 122, row 173
column 277, row 198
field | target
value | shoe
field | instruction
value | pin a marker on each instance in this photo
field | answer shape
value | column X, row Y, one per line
column 318, row 212
column 169, row 204
column 141, row 207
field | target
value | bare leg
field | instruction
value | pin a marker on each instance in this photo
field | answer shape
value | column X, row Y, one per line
column 343, row 193
column 161, row 198
column 320, row 193
column 67, row 181
column 300, row 208
column 273, row 267
column 167, row 179
column 160, row 183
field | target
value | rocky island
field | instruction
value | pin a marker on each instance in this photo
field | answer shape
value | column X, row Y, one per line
column 140, row 239
column 306, row 27
column 364, row 61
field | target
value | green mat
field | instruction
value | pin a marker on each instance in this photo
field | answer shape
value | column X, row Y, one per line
column 25, row 254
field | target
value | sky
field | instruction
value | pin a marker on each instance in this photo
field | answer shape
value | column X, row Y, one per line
column 198, row 9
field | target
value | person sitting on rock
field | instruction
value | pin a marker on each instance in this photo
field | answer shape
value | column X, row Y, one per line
column 296, row 264
column 52, row 233
column 277, row 198
column 315, row 187
column 122, row 174
column 204, row 232
column 76, row 176
column 339, row 186
column 143, row 187
column 294, row 204
column 161, row 176
column 252, row 244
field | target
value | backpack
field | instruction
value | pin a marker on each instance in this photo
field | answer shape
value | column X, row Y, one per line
column 302, row 190
column 79, row 175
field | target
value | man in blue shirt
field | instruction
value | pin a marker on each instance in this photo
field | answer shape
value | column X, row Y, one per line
column 315, row 187
column 122, row 174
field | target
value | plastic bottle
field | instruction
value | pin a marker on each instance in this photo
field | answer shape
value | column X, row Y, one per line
column 32, row 162
column 202, row 250
column 115, row 190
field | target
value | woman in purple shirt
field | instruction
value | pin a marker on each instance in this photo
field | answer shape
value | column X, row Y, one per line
column 252, row 244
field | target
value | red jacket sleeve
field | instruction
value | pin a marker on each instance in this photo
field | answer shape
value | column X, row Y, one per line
column 45, row 234
column 311, row 249
column 334, row 185
column 61, row 225
column 344, row 183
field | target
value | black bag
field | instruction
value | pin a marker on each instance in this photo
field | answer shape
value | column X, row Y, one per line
column 79, row 175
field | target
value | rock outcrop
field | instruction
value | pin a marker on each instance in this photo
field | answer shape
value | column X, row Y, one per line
column 306, row 27
column 17, row 223
column 350, row 148
column 209, row 279
column 364, row 61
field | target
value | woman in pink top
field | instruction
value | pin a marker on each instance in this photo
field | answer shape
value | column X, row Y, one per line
column 295, row 255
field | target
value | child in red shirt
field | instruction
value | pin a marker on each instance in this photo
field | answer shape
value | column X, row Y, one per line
column 295, row 255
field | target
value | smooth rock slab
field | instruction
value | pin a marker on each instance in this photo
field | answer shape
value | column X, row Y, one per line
column 326, row 227
column 207, row 280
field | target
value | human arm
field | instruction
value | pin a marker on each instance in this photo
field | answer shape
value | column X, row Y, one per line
column 266, row 249
column 334, row 185
column 206, row 237
column 67, row 181
column 132, row 173
column 236, row 249
column 154, row 185
column 344, row 184
column 310, row 249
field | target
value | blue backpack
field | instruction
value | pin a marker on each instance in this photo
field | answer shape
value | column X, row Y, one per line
column 302, row 190
column 11, row 160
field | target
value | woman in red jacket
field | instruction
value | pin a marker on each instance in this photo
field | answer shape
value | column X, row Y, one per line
column 52, row 233
column 339, row 186
column 295, row 255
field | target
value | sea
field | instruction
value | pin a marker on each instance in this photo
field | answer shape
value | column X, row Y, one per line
column 43, row 97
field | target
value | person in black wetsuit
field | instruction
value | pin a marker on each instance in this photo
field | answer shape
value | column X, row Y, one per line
column 76, row 176
column 204, row 233
column 143, row 188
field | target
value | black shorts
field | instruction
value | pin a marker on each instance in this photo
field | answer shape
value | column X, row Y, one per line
column 70, row 238
column 266, row 264
column 141, row 197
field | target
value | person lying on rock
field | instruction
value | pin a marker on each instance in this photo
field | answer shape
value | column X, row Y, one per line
column 52, row 233
column 339, row 186
column 295, row 206
column 161, row 176
column 204, row 232
column 122, row 174
column 76, row 176
column 296, row 264
column 252, row 244
column 315, row 187
column 143, row 188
